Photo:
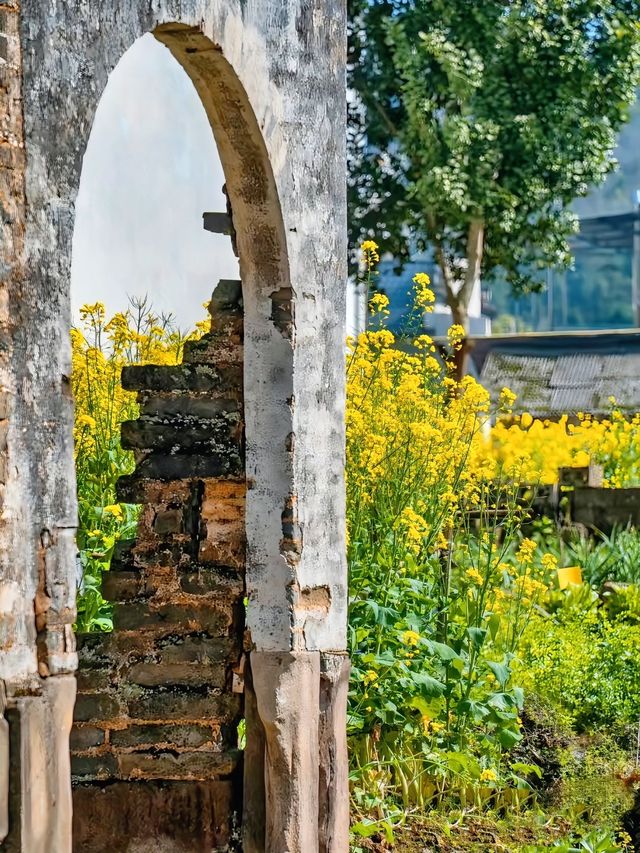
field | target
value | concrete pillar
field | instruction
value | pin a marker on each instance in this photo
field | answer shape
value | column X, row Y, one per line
column 254, row 813
column 296, row 767
column 39, row 780
column 287, row 689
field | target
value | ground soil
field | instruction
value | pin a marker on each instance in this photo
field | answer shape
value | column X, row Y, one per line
column 474, row 835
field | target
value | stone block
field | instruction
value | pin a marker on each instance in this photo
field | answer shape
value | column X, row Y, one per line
column 227, row 297
column 183, row 704
column 184, row 434
column 218, row 463
column 97, row 665
column 199, row 765
column 97, row 766
column 181, row 377
column 122, row 586
column 89, row 680
column 167, row 736
column 154, row 492
column 223, row 522
column 198, row 649
column 157, row 552
column 180, row 405
column 152, row 817
column 225, row 348
column 96, row 707
column 156, row 674
column 212, row 580
column 224, row 498
column 168, row 521
column 171, row 618
column 85, row 737
column 123, row 552
column 91, row 645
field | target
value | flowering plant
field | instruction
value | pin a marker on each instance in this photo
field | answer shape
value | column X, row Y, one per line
column 439, row 595
column 100, row 349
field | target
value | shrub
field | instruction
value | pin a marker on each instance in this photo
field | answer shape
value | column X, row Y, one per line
column 583, row 663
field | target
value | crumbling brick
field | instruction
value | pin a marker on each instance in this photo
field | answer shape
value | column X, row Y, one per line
column 157, row 700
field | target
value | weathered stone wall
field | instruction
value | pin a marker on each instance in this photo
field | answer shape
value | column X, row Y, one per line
column 37, row 502
column 270, row 74
column 159, row 699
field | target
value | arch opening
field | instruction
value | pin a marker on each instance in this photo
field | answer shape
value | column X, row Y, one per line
column 161, row 697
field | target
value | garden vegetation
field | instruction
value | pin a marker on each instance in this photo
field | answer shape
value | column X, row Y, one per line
column 484, row 698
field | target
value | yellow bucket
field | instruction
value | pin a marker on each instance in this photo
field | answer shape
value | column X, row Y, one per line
column 569, row 575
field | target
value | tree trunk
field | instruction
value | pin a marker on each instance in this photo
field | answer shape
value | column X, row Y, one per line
column 460, row 317
column 459, row 293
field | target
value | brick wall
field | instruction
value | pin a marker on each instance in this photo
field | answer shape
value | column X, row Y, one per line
column 154, row 743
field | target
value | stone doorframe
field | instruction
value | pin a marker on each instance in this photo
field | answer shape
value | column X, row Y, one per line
column 271, row 77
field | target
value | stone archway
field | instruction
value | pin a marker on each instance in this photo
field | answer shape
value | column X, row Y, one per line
column 271, row 78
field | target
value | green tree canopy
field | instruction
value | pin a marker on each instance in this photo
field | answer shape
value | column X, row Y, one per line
column 474, row 125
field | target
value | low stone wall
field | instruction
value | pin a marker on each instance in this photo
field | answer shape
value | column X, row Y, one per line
column 579, row 498
column 155, row 759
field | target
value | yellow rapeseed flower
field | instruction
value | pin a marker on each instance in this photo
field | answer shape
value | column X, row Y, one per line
column 115, row 510
column 488, row 776
column 87, row 421
column 475, row 576
column 526, row 550
column 411, row 638
column 370, row 256
column 379, row 304
column 423, row 295
column 507, row 398
column 456, row 334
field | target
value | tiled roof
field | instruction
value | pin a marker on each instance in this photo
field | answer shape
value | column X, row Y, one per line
column 565, row 373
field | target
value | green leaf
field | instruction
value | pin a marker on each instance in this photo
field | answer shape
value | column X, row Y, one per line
column 494, row 625
column 428, row 708
column 477, row 637
column 526, row 769
column 500, row 701
column 518, row 696
column 501, row 672
column 509, row 738
column 443, row 651
column 476, row 710
column 429, row 686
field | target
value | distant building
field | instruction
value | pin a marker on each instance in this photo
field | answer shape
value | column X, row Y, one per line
column 555, row 374
column 397, row 286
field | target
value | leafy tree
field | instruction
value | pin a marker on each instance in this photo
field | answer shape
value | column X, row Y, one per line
column 473, row 125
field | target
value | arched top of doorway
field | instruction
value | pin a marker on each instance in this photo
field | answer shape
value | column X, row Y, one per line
column 250, row 183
